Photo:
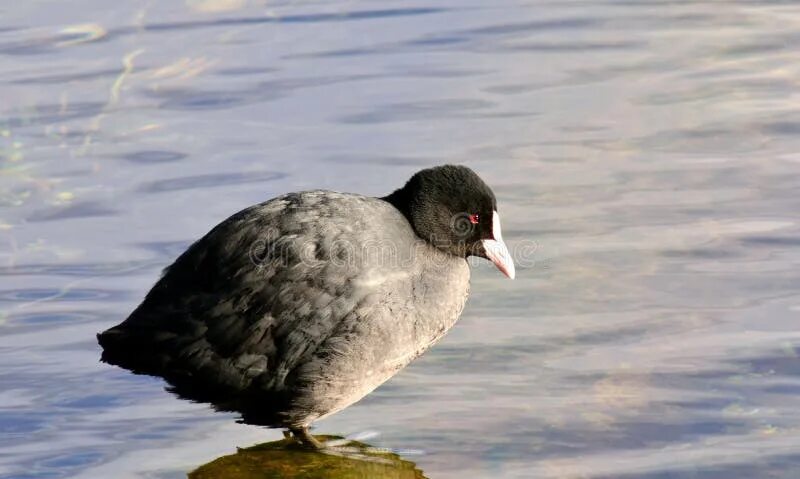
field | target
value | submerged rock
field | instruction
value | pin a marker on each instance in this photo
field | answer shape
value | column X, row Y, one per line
column 285, row 459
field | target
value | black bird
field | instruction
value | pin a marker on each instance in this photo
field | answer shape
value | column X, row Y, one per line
column 295, row 308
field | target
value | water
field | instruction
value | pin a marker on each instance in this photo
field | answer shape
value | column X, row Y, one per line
column 648, row 149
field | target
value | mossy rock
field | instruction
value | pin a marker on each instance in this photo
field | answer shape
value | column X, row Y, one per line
column 285, row 459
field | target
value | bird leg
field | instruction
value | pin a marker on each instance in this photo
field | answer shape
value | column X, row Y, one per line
column 305, row 437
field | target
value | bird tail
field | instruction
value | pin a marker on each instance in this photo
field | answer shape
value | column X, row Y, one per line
column 129, row 349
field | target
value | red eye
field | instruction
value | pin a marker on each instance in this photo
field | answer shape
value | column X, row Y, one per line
column 474, row 219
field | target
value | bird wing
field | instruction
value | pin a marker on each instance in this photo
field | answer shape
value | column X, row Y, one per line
column 253, row 297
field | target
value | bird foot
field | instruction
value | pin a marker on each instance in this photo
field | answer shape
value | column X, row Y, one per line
column 305, row 438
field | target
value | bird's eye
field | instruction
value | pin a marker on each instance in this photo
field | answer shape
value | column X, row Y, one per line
column 474, row 219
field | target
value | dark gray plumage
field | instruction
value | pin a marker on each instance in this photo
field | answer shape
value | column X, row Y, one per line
column 295, row 308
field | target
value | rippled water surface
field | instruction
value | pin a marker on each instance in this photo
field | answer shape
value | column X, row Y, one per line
column 650, row 149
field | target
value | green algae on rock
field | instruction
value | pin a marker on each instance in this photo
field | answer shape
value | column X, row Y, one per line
column 285, row 459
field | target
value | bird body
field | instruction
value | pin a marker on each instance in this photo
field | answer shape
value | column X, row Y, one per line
column 295, row 308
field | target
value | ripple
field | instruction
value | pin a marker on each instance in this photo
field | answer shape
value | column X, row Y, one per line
column 208, row 181
column 419, row 110
column 92, row 401
column 154, row 156
column 48, row 114
column 301, row 18
column 86, row 209
column 247, row 70
column 561, row 47
column 62, row 78
column 782, row 128
column 773, row 241
column 55, row 318
column 81, row 270
column 208, row 99
column 169, row 249
column 195, row 99
column 41, row 43
column 358, row 15
column 700, row 253
column 18, row 425
column 77, row 294
column 534, row 26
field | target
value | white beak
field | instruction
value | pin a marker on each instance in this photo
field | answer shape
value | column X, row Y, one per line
column 497, row 251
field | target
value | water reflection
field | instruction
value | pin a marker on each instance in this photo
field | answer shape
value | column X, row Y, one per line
column 286, row 460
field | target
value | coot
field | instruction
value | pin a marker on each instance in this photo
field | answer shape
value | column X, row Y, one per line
column 295, row 308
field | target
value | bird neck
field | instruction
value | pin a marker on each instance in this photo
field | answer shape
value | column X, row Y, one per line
column 400, row 200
